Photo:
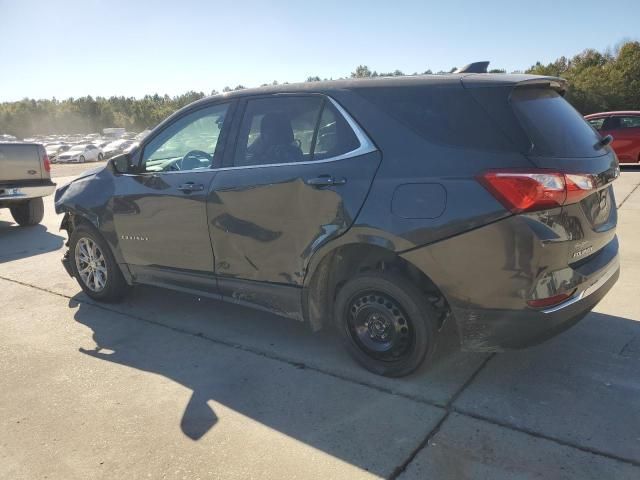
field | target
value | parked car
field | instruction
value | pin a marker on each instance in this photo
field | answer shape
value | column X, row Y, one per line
column 116, row 147
column 54, row 150
column 381, row 207
column 24, row 179
column 624, row 127
column 81, row 153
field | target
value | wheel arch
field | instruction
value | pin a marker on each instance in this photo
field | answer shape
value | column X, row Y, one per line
column 74, row 218
column 333, row 268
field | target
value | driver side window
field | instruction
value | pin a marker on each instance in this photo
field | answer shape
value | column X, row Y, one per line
column 187, row 144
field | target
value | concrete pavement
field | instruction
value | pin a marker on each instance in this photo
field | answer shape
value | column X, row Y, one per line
column 166, row 385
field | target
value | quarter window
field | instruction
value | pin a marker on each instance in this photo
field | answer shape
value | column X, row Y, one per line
column 335, row 137
column 187, row 144
column 292, row 129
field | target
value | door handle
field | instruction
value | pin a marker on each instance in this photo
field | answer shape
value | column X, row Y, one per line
column 191, row 187
column 325, row 181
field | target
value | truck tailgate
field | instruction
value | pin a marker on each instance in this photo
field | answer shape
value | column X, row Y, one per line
column 20, row 162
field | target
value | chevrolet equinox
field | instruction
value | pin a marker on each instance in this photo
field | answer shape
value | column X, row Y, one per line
column 381, row 207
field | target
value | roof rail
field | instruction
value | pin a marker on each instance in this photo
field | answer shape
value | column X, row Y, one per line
column 475, row 67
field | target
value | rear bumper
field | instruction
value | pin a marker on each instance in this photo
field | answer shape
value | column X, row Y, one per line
column 489, row 274
column 24, row 192
column 495, row 330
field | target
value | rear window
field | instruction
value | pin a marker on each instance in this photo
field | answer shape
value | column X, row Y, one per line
column 555, row 128
column 445, row 115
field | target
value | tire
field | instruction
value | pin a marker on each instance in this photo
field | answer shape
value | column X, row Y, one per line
column 403, row 319
column 28, row 213
column 81, row 159
column 100, row 157
column 113, row 285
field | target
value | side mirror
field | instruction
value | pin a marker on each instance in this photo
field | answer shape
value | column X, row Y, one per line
column 121, row 163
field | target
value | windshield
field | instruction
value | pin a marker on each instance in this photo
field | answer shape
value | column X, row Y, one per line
column 77, row 148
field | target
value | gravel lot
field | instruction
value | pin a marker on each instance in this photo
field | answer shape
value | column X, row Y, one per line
column 166, row 385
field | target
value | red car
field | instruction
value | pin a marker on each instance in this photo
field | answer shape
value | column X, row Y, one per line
column 624, row 127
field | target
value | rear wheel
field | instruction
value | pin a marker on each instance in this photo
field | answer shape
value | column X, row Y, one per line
column 94, row 267
column 386, row 323
column 100, row 157
column 28, row 213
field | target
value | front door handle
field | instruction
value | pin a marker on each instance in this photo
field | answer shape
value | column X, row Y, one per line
column 325, row 181
column 191, row 187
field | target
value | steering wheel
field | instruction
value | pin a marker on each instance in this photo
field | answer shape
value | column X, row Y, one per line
column 192, row 159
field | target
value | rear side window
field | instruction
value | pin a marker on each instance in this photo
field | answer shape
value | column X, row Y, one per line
column 555, row 128
column 444, row 115
column 291, row 129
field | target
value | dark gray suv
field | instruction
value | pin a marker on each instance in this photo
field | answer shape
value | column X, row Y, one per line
column 382, row 207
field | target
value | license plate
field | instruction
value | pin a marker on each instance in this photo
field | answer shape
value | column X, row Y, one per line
column 10, row 192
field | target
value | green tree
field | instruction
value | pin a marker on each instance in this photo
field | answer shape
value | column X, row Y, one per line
column 361, row 71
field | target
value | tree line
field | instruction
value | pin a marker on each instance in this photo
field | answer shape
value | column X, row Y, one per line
column 598, row 81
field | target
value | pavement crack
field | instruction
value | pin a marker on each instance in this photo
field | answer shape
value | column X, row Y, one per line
column 550, row 438
column 449, row 407
column 238, row 346
column 434, row 431
column 621, row 353
column 628, row 195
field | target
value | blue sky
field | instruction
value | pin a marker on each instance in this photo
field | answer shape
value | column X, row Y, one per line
column 98, row 47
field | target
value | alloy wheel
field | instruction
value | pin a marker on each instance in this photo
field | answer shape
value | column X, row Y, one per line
column 91, row 264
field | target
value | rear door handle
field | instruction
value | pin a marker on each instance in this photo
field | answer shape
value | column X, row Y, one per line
column 325, row 181
column 191, row 187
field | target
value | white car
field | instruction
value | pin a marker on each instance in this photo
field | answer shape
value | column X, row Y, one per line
column 117, row 147
column 81, row 153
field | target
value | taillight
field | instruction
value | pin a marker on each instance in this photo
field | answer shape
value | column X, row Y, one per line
column 526, row 191
column 47, row 163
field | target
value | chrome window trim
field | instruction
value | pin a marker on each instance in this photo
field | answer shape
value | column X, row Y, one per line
column 366, row 145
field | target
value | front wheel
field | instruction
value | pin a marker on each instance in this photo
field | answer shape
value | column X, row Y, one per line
column 386, row 323
column 100, row 157
column 81, row 159
column 94, row 267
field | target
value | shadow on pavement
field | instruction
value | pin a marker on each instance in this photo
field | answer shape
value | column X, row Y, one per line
column 519, row 387
column 21, row 242
column 344, row 419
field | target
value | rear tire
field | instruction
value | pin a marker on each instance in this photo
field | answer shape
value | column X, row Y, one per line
column 28, row 213
column 385, row 323
column 94, row 266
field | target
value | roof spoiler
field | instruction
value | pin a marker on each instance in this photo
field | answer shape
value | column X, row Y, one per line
column 560, row 85
column 475, row 67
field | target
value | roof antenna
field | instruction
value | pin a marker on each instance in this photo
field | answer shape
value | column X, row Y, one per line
column 475, row 67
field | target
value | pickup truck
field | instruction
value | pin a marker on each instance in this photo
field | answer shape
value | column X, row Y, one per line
column 25, row 177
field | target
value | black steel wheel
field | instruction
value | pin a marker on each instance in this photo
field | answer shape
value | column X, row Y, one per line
column 379, row 326
column 386, row 323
